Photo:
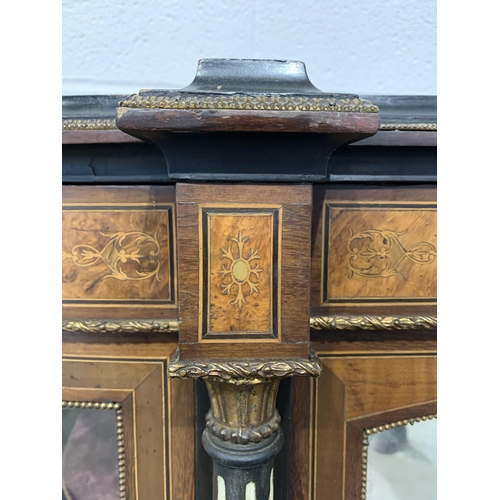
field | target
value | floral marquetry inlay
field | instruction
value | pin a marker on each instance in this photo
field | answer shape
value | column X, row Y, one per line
column 239, row 257
column 240, row 272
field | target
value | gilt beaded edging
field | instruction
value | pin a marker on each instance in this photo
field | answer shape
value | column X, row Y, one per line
column 119, row 430
column 373, row 322
column 399, row 423
column 375, row 430
column 89, row 124
column 431, row 127
column 244, row 372
column 262, row 102
column 123, row 326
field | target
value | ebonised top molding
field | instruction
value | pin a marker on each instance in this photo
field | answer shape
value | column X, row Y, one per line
column 407, row 110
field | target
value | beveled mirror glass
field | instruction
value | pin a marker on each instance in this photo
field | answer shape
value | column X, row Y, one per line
column 402, row 461
column 89, row 454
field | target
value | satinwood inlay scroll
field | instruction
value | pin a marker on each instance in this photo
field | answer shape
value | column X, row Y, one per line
column 123, row 248
column 379, row 252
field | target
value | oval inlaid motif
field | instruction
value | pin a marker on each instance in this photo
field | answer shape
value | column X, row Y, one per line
column 240, row 270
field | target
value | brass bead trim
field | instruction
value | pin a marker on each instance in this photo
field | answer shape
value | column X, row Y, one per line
column 119, row 430
column 243, row 435
column 373, row 322
column 89, row 124
column 120, row 326
column 244, row 372
column 262, row 102
column 428, row 127
column 375, row 430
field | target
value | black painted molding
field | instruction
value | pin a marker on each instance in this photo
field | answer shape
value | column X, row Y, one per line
column 366, row 161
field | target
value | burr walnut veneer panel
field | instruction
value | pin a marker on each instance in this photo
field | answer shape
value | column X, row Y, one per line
column 375, row 251
column 118, row 258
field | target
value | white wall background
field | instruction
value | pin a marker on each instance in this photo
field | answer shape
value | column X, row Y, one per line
column 359, row 46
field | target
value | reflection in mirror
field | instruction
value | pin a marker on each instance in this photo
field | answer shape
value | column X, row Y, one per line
column 402, row 461
column 90, row 468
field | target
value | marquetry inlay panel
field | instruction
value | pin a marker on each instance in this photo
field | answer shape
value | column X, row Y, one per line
column 118, row 249
column 378, row 251
column 240, row 256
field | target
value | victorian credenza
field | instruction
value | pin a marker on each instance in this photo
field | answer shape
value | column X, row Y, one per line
column 249, row 290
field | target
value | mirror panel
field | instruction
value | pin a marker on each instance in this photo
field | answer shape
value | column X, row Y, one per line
column 402, row 461
column 90, row 459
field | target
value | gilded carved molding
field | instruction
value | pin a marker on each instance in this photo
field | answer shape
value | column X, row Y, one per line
column 110, row 123
column 89, row 124
column 244, row 372
column 243, row 435
column 373, row 322
column 269, row 102
column 120, row 326
column 316, row 323
column 399, row 423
